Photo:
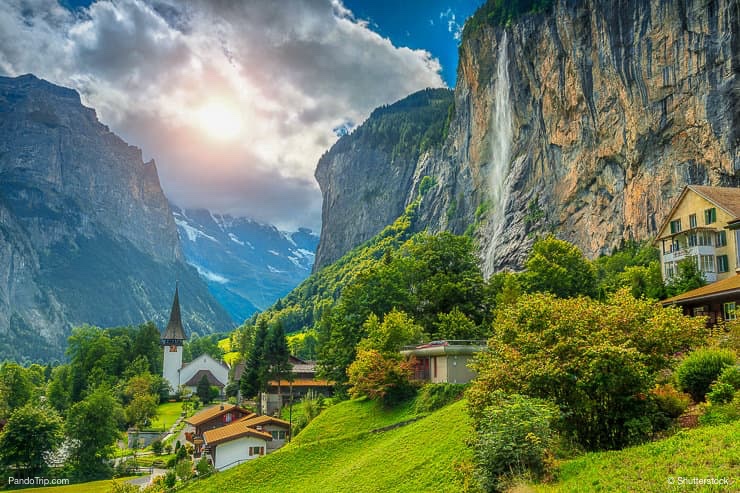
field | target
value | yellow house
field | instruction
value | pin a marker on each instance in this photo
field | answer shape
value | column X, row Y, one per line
column 703, row 225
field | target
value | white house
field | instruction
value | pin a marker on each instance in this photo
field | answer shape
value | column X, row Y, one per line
column 216, row 373
column 235, row 443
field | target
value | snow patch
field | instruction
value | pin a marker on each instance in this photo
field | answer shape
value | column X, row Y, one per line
column 274, row 270
column 235, row 239
column 193, row 233
column 209, row 275
column 274, row 253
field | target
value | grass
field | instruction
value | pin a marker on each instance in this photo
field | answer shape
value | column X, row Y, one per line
column 336, row 452
column 102, row 486
column 704, row 452
column 167, row 414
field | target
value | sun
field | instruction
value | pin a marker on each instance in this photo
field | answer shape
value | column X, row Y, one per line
column 219, row 121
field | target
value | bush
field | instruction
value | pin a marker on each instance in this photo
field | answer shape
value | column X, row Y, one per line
column 702, row 367
column 731, row 375
column 514, row 438
column 436, row 395
column 170, row 479
column 721, row 393
column 204, row 467
column 670, row 401
column 719, row 414
column 380, row 377
column 157, row 447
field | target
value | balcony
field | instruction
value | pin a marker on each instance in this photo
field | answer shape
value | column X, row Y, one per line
column 682, row 253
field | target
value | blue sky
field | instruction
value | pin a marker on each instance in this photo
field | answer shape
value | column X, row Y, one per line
column 420, row 24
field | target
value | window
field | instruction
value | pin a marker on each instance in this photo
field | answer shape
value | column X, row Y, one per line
column 710, row 215
column 705, row 238
column 278, row 435
column 675, row 246
column 729, row 310
column 692, row 240
column 721, row 238
column 675, row 226
column 706, row 263
column 722, row 263
column 692, row 221
column 227, row 418
column 670, row 270
column 256, row 451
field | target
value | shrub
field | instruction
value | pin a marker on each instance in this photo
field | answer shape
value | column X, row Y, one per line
column 157, row 447
column 721, row 393
column 731, row 375
column 670, row 401
column 170, row 479
column 718, row 414
column 436, row 395
column 380, row 377
column 702, row 367
column 204, row 467
column 514, row 438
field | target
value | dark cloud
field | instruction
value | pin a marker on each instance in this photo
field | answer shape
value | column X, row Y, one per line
column 293, row 72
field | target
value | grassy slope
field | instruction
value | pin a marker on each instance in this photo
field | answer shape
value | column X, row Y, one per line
column 416, row 457
column 167, row 414
column 91, row 487
column 707, row 452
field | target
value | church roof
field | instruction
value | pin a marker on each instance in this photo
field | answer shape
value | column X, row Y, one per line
column 195, row 379
column 174, row 329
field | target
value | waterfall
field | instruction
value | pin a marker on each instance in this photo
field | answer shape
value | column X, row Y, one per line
column 502, row 133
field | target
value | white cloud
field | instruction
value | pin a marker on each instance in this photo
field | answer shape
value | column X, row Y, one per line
column 452, row 25
column 295, row 71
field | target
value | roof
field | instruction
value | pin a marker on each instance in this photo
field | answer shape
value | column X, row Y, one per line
column 439, row 348
column 716, row 289
column 195, row 379
column 302, row 382
column 233, row 431
column 726, row 198
column 264, row 420
column 213, row 412
column 174, row 329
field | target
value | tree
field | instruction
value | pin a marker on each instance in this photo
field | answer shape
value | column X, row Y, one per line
column 30, row 433
column 385, row 378
column 595, row 360
column 687, row 278
column 457, row 326
column 254, row 378
column 388, row 337
column 558, row 267
column 15, row 388
column 277, row 354
column 92, row 426
column 141, row 409
column 203, row 390
column 59, row 388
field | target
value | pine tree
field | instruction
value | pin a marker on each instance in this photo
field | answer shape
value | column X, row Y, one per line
column 254, row 378
column 203, row 390
column 277, row 354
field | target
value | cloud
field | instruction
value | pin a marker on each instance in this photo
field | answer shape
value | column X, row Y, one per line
column 452, row 25
column 294, row 71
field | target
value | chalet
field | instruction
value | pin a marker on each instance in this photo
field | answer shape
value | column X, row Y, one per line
column 443, row 361
column 235, row 443
column 278, row 429
column 704, row 226
column 718, row 300
column 210, row 419
column 303, row 379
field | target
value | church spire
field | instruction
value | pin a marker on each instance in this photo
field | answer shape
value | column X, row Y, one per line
column 174, row 334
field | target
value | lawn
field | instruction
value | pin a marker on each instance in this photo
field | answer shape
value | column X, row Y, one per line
column 91, row 487
column 167, row 414
column 705, row 452
column 344, row 456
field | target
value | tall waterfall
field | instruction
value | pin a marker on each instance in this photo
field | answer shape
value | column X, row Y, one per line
column 501, row 139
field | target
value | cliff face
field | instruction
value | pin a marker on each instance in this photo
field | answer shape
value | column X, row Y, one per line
column 586, row 120
column 86, row 234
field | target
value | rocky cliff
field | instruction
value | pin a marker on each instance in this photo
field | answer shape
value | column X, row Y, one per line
column 585, row 119
column 86, row 234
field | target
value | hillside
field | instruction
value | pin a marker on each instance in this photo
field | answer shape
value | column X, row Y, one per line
column 416, row 457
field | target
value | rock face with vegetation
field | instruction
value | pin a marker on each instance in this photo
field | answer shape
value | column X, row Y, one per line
column 583, row 118
column 86, row 234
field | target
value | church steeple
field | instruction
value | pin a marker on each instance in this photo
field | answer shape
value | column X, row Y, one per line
column 174, row 334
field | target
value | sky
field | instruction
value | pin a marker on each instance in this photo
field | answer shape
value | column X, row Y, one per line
column 236, row 100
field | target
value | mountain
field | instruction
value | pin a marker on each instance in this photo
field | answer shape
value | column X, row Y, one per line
column 247, row 265
column 581, row 118
column 86, row 233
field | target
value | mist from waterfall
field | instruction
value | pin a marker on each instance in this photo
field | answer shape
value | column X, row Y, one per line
column 501, row 139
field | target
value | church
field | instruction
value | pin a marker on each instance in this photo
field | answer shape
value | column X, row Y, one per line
column 190, row 374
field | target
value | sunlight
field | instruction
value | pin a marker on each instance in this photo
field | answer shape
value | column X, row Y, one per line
column 219, row 121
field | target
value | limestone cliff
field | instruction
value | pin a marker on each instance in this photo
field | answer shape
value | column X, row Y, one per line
column 86, row 233
column 586, row 120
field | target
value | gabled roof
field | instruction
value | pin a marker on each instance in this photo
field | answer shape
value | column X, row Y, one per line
column 232, row 432
column 195, row 379
column 726, row 198
column 716, row 289
column 204, row 355
column 213, row 412
column 264, row 420
column 174, row 329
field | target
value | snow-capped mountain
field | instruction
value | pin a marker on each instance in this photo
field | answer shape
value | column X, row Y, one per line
column 246, row 264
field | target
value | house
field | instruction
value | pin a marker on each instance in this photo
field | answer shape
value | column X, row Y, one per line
column 233, row 444
column 246, row 439
column 189, row 375
column 303, row 379
column 444, row 361
column 703, row 225
column 716, row 301
column 210, row 419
